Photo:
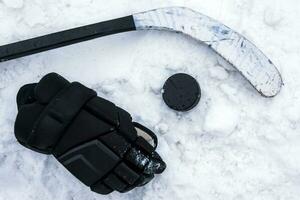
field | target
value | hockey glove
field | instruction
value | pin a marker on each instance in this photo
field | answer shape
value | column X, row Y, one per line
column 93, row 138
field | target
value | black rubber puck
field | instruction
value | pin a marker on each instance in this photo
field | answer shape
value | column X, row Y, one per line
column 181, row 92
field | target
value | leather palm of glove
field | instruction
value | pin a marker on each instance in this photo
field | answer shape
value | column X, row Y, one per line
column 94, row 139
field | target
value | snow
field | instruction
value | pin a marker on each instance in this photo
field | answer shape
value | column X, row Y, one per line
column 234, row 145
column 13, row 3
column 221, row 117
column 218, row 72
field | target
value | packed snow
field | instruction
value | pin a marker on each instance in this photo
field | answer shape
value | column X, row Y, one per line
column 234, row 144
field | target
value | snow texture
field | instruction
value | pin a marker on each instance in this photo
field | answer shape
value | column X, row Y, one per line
column 234, row 145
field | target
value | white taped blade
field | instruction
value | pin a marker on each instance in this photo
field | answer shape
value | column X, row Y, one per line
column 232, row 46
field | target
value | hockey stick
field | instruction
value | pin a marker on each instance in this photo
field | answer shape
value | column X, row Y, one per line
column 233, row 47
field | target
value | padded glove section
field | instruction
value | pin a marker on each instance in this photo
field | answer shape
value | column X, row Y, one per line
column 111, row 163
column 48, row 87
column 49, row 125
column 84, row 128
column 89, row 162
column 58, row 115
column 96, row 118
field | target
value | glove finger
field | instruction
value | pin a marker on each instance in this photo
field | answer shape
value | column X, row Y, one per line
column 146, row 178
column 156, row 165
column 148, row 164
column 122, row 181
column 116, row 142
column 143, row 180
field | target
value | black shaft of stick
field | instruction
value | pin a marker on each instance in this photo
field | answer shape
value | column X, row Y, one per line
column 64, row 38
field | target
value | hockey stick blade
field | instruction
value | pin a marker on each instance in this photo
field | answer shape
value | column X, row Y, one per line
column 233, row 47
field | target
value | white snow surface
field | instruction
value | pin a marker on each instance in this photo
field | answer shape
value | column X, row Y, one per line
column 234, row 145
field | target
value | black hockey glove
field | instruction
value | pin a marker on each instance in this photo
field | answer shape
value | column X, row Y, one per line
column 94, row 139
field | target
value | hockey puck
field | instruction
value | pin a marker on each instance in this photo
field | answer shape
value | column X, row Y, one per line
column 181, row 92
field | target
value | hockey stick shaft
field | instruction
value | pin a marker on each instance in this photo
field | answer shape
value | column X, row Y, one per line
column 64, row 38
column 229, row 44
